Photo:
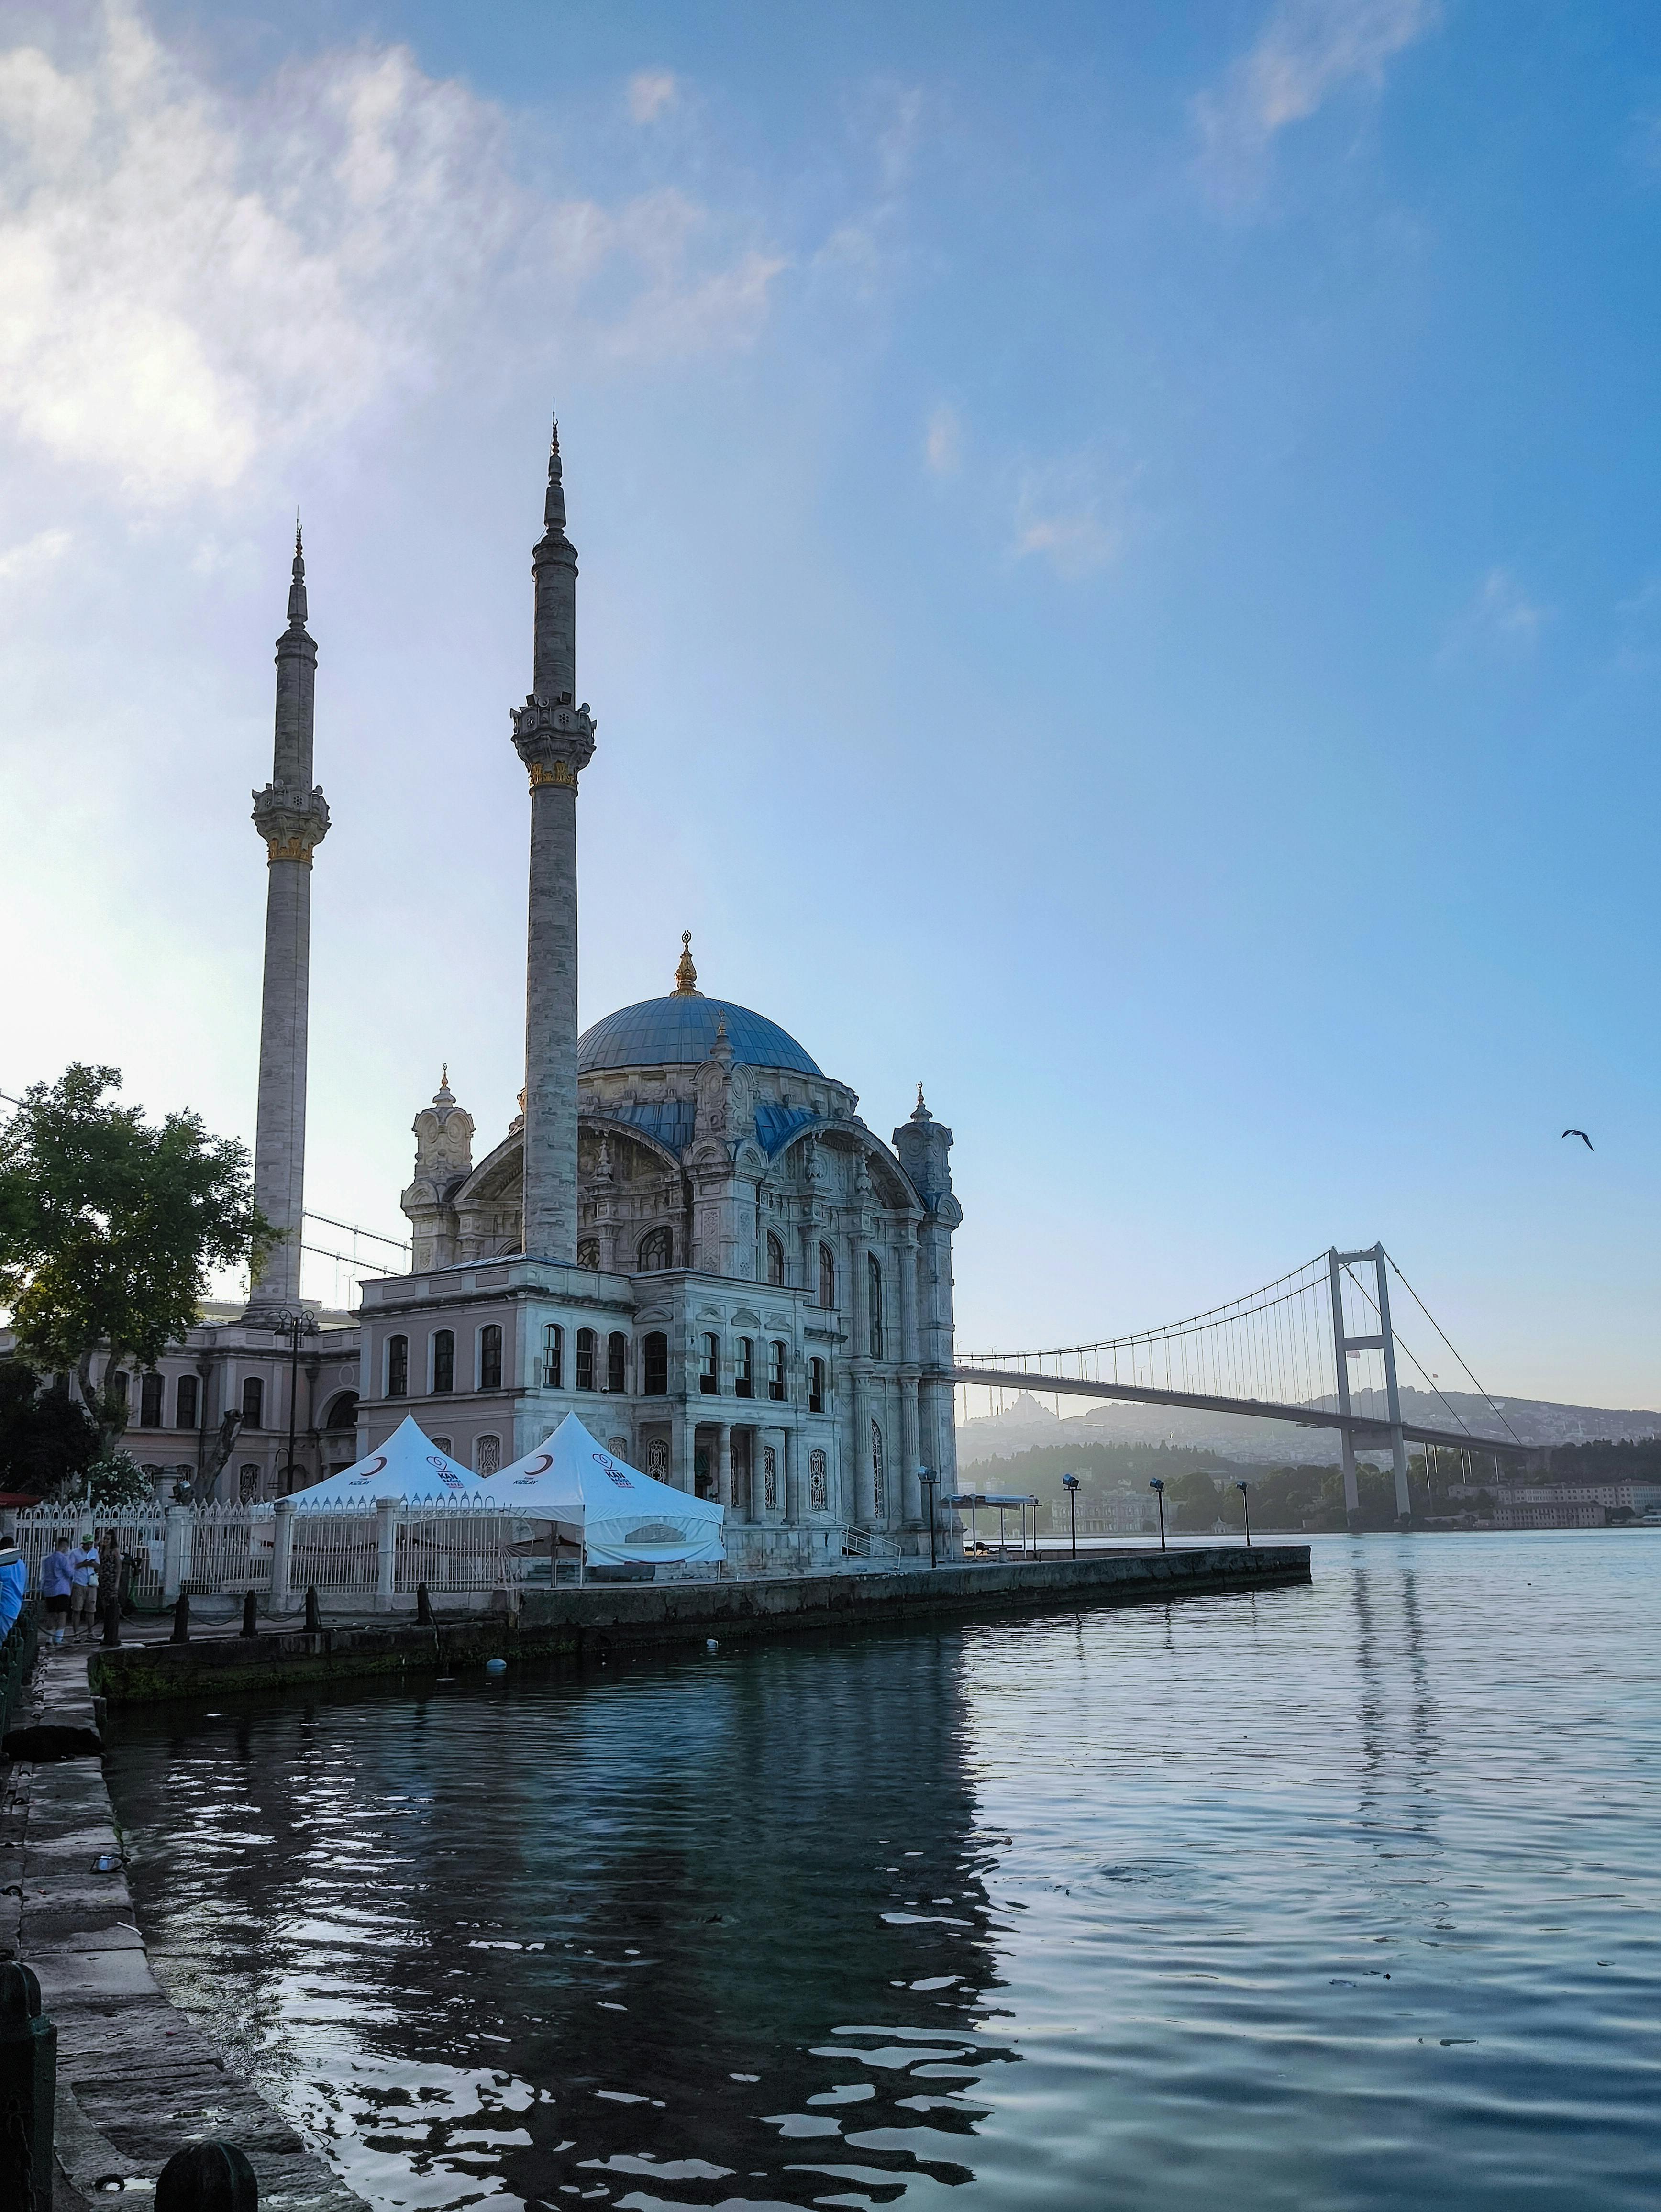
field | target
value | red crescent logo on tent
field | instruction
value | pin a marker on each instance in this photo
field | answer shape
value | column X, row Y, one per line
column 534, row 1467
column 372, row 1470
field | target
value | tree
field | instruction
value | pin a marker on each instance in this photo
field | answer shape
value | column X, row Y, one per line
column 108, row 1228
column 46, row 1438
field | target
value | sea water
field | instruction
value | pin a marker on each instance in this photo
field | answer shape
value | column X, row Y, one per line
column 1335, row 1896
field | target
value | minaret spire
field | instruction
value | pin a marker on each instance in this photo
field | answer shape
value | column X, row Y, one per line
column 292, row 816
column 555, row 738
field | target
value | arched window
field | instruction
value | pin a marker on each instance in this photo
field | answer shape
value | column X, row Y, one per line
column 617, row 1361
column 657, row 1458
column 657, row 1250
column 654, row 1367
column 398, row 1366
column 190, row 1397
column 487, row 1455
column 553, row 1356
column 150, row 1400
column 778, row 1362
column 827, row 1276
column 775, row 1261
column 878, row 1477
column 340, row 1412
column 445, row 1444
column 253, row 1400
column 709, row 1376
column 818, row 1483
column 444, row 1359
column 876, row 1305
column 587, row 1251
column 490, row 1356
column 816, row 1386
column 769, row 1477
column 744, row 1382
column 585, row 1341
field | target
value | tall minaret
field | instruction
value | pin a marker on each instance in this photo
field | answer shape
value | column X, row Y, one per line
column 555, row 739
column 290, row 814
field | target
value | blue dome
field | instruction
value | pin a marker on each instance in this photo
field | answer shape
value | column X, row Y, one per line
column 677, row 1032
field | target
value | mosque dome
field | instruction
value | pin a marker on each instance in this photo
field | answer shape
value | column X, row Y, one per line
column 680, row 1029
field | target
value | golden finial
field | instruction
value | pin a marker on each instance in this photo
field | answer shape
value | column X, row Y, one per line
column 686, row 975
column 444, row 1080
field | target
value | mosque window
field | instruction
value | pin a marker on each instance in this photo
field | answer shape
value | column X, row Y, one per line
column 654, row 1366
column 553, row 1356
column 657, row 1455
column 253, row 1403
column 743, row 1385
column 816, row 1386
column 247, row 1482
column 709, row 1376
column 879, row 1476
column 487, row 1459
column 875, row 1267
column 117, row 1383
column 489, row 1357
column 827, row 1276
column 775, row 1261
column 445, row 1444
column 617, row 1361
column 657, row 1250
column 588, row 1252
column 340, row 1412
column 585, row 1341
column 818, row 1483
column 149, row 1402
column 769, row 1477
column 398, row 1366
column 778, row 1358
column 444, row 1359
column 190, row 1397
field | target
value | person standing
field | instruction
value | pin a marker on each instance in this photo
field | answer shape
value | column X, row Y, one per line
column 57, row 1582
column 84, row 1595
column 13, row 1581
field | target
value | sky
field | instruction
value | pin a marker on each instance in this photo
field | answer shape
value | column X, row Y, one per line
column 1121, row 579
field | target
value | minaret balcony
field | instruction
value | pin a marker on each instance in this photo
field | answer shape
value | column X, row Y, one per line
column 555, row 739
column 293, row 822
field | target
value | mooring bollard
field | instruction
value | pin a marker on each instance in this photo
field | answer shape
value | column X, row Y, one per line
column 181, row 1619
column 313, row 1611
column 250, row 1614
column 28, row 2084
column 423, row 1607
column 207, row 2177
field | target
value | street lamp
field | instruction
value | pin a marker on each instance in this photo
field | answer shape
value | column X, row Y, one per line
column 929, row 1478
column 296, row 1325
column 1158, row 1487
column 1070, row 1485
column 1244, row 1490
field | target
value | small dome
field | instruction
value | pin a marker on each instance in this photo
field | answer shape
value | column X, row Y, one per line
column 677, row 1032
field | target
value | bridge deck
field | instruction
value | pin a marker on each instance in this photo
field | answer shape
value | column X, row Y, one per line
column 1366, row 1431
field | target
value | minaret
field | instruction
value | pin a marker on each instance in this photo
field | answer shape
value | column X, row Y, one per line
column 291, row 816
column 555, row 738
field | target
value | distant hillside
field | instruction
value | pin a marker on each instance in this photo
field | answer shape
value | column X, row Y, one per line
column 1026, row 1425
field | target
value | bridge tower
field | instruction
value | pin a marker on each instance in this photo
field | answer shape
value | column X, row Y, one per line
column 1385, row 1341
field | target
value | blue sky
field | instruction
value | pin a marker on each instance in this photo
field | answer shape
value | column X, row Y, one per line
column 1120, row 578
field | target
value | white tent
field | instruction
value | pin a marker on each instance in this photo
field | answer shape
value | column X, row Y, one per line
column 622, row 1516
column 409, row 1466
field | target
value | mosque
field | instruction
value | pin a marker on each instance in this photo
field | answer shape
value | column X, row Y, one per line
column 687, row 1235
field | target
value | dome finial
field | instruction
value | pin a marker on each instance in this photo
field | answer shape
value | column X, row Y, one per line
column 920, row 1112
column 686, row 975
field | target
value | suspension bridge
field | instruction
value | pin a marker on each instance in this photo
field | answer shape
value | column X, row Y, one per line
column 1304, row 1349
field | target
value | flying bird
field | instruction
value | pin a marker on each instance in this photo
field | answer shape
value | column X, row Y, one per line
column 1582, row 1135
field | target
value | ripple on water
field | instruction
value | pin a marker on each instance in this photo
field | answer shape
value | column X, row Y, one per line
column 1336, row 1897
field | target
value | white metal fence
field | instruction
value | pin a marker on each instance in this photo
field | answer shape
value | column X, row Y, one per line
column 376, row 1554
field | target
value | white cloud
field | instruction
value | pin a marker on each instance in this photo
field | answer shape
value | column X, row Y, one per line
column 943, row 441
column 651, row 92
column 1500, row 614
column 1065, row 514
column 44, row 551
column 1307, row 50
column 189, row 280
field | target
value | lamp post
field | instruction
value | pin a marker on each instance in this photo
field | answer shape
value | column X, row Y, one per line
column 1070, row 1485
column 1246, row 1498
column 929, row 1478
column 296, row 1325
column 1158, row 1487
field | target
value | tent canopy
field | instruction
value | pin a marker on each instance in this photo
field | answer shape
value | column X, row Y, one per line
column 409, row 1467
column 624, row 1516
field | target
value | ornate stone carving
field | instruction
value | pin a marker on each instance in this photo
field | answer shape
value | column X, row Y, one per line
column 293, row 823
column 555, row 740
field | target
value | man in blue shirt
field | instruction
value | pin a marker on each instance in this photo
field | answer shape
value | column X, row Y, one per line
column 57, row 1580
column 13, row 1581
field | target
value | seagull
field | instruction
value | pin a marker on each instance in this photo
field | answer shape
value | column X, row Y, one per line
column 1582, row 1135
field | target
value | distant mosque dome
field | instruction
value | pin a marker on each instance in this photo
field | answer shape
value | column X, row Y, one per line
column 677, row 1032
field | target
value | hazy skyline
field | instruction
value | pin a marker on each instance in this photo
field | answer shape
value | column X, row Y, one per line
column 1120, row 578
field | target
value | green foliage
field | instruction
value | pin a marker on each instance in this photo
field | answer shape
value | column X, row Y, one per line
column 1099, row 1466
column 1639, row 1460
column 109, row 1226
column 46, row 1438
column 118, row 1479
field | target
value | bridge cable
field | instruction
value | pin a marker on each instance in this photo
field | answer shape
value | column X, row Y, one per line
column 1496, row 1410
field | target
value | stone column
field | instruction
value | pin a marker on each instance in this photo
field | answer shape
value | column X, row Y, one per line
column 723, row 1466
column 795, row 1512
column 555, row 738
column 909, row 1489
column 293, row 818
column 385, row 1512
column 681, row 1442
column 282, row 1554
